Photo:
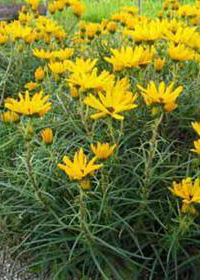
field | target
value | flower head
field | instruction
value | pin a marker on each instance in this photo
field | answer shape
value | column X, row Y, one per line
column 196, row 146
column 78, row 8
column 102, row 151
column 180, row 52
column 114, row 100
column 159, row 63
column 189, row 191
column 39, row 74
column 163, row 95
column 37, row 105
column 9, row 116
column 34, row 4
column 31, row 86
column 128, row 57
column 47, row 135
column 79, row 168
column 196, row 127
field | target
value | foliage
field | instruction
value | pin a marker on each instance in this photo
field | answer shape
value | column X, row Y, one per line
column 99, row 178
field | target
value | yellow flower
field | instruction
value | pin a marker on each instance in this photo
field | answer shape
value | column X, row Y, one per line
column 182, row 35
column 31, row 86
column 85, row 184
column 131, row 57
column 180, row 52
column 78, row 8
column 163, row 95
column 148, row 31
column 25, row 17
column 196, row 127
column 57, row 67
column 197, row 147
column 47, row 135
column 3, row 38
column 189, row 191
column 159, row 63
column 116, row 99
column 90, row 81
column 42, row 54
column 34, row 4
column 102, row 151
column 52, row 7
column 81, row 65
column 39, row 74
column 111, row 26
column 79, row 168
column 9, row 117
column 63, row 54
column 26, row 105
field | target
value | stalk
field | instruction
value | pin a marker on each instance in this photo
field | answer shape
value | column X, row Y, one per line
column 148, row 166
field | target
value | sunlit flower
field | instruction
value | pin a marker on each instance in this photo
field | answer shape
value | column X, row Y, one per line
column 114, row 100
column 128, row 57
column 189, row 191
column 3, row 38
column 102, row 150
column 78, row 8
column 196, row 127
column 196, row 146
column 43, row 54
column 9, row 116
column 180, row 52
column 163, row 95
column 84, row 81
column 111, row 26
column 57, row 67
column 159, row 63
column 37, row 105
column 34, row 4
column 148, row 32
column 81, row 65
column 31, row 86
column 63, row 54
column 25, row 17
column 39, row 74
column 47, row 135
column 79, row 168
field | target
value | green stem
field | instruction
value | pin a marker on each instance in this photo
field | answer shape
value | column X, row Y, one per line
column 110, row 128
column 83, row 216
column 148, row 166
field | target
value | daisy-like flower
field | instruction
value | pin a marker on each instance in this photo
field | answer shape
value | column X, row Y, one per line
column 31, row 86
column 180, row 52
column 34, row 4
column 84, row 81
column 128, row 57
column 39, row 74
column 43, row 54
column 57, row 67
column 63, row 54
column 102, row 150
column 196, row 146
column 81, row 65
column 78, row 8
column 165, row 96
column 37, row 105
column 189, row 191
column 159, row 63
column 80, row 167
column 196, row 127
column 9, row 117
column 114, row 100
column 47, row 135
